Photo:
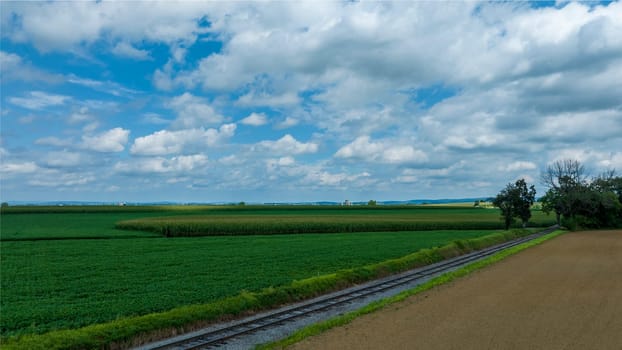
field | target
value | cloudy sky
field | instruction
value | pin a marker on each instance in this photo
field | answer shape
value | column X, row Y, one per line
column 303, row 101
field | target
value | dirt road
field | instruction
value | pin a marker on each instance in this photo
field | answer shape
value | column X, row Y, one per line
column 563, row 294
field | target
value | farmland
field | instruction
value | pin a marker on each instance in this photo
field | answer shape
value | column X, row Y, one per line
column 68, row 268
column 39, row 223
column 562, row 294
column 267, row 220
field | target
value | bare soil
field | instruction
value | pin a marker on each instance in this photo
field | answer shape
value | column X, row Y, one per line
column 563, row 294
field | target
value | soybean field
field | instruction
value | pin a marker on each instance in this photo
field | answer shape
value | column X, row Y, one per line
column 74, row 267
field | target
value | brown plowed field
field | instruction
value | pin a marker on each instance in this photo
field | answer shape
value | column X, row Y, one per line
column 563, row 294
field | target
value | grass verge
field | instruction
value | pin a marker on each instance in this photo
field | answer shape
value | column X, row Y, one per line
column 375, row 306
column 130, row 331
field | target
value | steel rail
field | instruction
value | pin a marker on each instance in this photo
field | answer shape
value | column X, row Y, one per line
column 216, row 337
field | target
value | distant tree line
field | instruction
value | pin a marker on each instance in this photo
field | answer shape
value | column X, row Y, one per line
column 576, row 200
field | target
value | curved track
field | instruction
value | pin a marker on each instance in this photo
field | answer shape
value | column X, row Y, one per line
column 216, row 337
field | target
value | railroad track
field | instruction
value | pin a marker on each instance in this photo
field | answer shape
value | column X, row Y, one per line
column 217, row 337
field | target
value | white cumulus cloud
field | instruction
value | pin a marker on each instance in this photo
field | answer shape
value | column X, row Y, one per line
column 381, row 151
column 124, row 49
column 287, row 123
column 14, row 168
column 169, row 142
column 519, row 165
column 178, row 164
column 53, row 26
column 113, row 140
column 193, row 112
column 288, row 145
column 64, row 159
column 255, row 119
column 255, row 99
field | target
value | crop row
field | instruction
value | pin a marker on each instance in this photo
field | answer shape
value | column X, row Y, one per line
column 189, row 226
column 207, row 227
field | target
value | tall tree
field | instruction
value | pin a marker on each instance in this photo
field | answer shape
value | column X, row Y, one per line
column 565, row 180
column 515, row 201
column 552, row 203
column 608, row 182
column 606, row 200
column 564, row 173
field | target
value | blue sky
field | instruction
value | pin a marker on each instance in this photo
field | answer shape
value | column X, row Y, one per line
column 302, row 101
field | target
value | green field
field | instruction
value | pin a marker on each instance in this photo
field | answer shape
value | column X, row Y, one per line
column 322, row 220
column 32, row 223
column 209, row 225
column 41, row 222
column 55, row 275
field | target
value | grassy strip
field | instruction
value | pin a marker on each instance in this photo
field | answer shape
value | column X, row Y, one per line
column 321, row 327
column 148, row 327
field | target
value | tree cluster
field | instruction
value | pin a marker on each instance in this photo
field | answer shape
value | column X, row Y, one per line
column 579, row 201
column 515, row 201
